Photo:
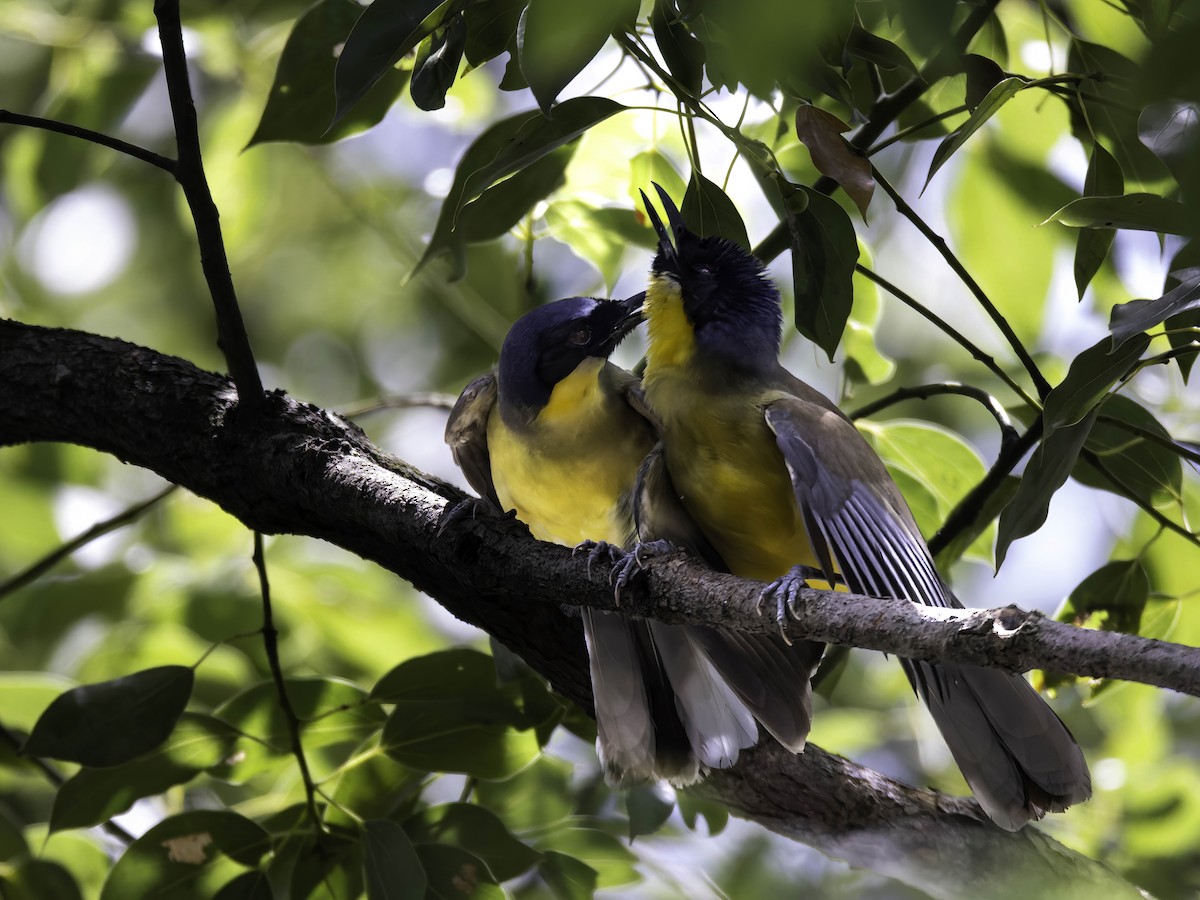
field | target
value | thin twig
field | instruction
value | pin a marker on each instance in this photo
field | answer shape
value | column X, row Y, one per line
column 231, row 330
column 913, row 129
column 55, row 556
column 946, row 328
column 7, row 117
column 1008, row 434
column 426, row 400
column 939, row 243
column 57, row 779
column 271, row 645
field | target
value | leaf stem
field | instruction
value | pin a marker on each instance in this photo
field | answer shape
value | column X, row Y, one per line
column 1008, row 434
column 7, row 117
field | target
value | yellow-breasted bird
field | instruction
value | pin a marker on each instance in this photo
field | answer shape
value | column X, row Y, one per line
column 774, row 476
column 556, row 435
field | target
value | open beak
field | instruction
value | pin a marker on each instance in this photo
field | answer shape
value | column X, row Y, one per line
column 631, row 318
column 667, row 246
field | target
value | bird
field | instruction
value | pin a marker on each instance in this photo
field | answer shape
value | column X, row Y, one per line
column 781, row 484
column 556, row 436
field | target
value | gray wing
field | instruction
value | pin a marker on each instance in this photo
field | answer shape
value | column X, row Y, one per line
column 1016, row 754
column 466, row 433
column 770, row 677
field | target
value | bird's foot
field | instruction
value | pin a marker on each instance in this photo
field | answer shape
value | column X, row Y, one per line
column 600, row 553
column 634, row 563
column 784, row 593
column 470, row 508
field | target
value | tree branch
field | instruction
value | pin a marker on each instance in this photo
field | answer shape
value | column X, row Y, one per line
column 301, row 470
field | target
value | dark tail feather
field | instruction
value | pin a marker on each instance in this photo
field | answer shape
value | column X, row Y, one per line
column 769, row 677
column 1017, row 755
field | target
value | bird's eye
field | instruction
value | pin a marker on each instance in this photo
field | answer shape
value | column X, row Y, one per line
column 705, row 270
column 580, row 336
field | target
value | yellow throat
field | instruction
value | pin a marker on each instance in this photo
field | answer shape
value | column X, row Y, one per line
column 672, row 338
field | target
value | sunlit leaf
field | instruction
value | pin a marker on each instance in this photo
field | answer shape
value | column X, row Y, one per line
column 599, row 235
column 988, row 107
column 1091, row 247
column 450, row 714
column 1149, row 470
column 648, row 168
column 93, row 796
column 436, row 66
column 477, row 830
column 38, row 879
column 498, row 209
column 536, row 797
column 821, row 132
column 24, row 696
column 557, row 38
column 371, row 785
column 1117, row 592
column 504, row 148
column 385, row 31
column 824, row 252
column 391, row 866
column 692, row 808
column 301, row 104
column 567, row 877
column 612, row 860
column 1140, row 212
column 707, row 210
column 182, row 852
column 113, row 722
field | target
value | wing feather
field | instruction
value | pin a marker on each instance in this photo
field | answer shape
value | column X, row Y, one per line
column 466, row 433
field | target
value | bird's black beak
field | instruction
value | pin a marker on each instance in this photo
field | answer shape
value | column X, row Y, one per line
column 666, row 246
column 630, row 319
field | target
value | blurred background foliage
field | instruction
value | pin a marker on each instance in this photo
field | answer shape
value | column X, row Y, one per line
column 358, row 281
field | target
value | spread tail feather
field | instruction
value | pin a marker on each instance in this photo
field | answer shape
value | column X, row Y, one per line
column 1016, row 754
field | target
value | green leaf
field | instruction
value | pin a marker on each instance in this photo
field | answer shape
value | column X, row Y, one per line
column 649, row 806
column 498, row 209
column 1093, row 372
column 681, row 51
column 391, row 866
column 477, row 830
column 1178, row 335
column 599, row 236
column 113, row 722
column 877, row 50
column 331, row 864
column 1091, row 247
column 450, row 715
column 1136, row 316
column 301, row 103
column 536, row 797
column 333, row 717
column 988, row 107
column 491, row 28
column 38, row 879
column 1147, row 469
column 567, row 877
column 652, row 167
column 371, row 786
column 93, row 796
column 612, row 860
column 824, row 252
column 1140, row 212
column 454, row 874
column 983, row 74
column 386, row 31
column 253, row 885
column 692, row 808
column 503, row 149
column 24, row 696
column 557, row 38
column 1117, row 592
column 1048, row 469
column 177, row 857
column 437, row 64
column 12, row 839
column 935, row 458
column 708, row 211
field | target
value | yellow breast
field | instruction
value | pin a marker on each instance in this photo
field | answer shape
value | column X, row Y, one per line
column 568, row 477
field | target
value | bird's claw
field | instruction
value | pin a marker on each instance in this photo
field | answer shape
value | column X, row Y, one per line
column 599, row 552
column 634, row 562
column 784, row 592
column 467, row 508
